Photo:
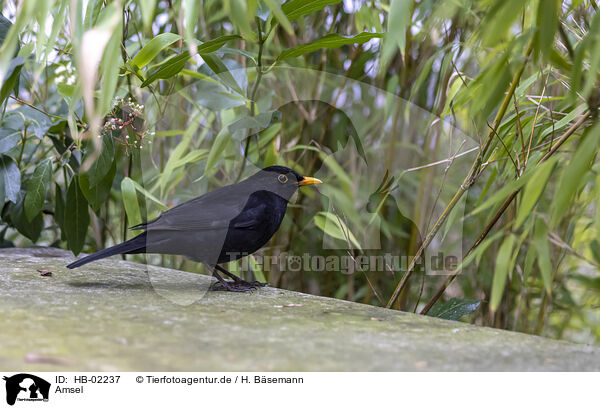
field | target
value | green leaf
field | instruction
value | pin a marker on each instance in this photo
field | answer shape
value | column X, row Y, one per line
column 11, row 78
column 499, row 19
column 533, row 190
column 216, row 96
column 8, row 139
column 182, row 146
column 130, row 201
column 65, row 90
column 109, row 69
column 275, row 7
column 76, row 217
column 329, row 41
column 454, row 309
column 217, row 66
column 572, row 176
column 37, row 186
column 564, row 121
column 153, row 48
column 504, row 192
column 34, row 119
column 501, row 271
column 260, row 121
column 597, row 215
column 16, row 217
column 256, row 269
column 398, row 22
column 103, row 163
column 59, row 210
column 217, row 148
column 298, row 8
column 149, row 195
column 595, row 248
column 540, row 242
column 216, row 44
column 10, row 179
column 168, row 68
column 333, row 226
column 98, row 194
column 240, row 16
column 147, row 9
column 4, row 27
column 547, row 19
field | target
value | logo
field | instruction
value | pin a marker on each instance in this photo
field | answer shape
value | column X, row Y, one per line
column 26, row 387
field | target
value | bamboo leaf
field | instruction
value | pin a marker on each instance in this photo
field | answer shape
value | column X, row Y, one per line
column 149, row 195
column 399, row 19
column 217, row 66
column 153, row 48
column 240, row 16
column 533, row 190
column 76, row 217
column 501, row 271
column 216, row 44
column 499, row 19
column 130, row 201
column 540, row 242
column 504, row 192
column 572, row 176
column 256, row 269
column 110, row 69
column 275, row 8
column 297, row 8
column 218, row 146
column 547, row 16
column 329, row 41
column 331, row 225
column 147, row 10
column 168, row 68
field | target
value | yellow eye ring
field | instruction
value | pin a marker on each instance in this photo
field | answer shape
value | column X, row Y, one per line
column 282, row 178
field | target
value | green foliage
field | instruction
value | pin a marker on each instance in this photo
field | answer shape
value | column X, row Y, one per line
column 454, row 309
column 75, row 217
column 329, row 41
column 208, row 91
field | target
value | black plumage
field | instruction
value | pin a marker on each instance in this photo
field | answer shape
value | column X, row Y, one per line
column 220, row 226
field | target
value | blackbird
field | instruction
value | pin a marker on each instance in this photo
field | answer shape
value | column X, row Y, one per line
column 223, row 225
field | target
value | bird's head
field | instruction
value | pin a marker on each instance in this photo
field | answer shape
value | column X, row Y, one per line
column 280, row 180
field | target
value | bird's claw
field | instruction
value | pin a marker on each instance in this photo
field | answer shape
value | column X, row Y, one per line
column 236, row 286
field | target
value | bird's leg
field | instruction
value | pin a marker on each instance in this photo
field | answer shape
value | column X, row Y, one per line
column 222, row 284
column 231, row 275
column 238, row 282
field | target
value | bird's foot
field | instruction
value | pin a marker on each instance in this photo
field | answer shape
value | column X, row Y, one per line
column 236, row 285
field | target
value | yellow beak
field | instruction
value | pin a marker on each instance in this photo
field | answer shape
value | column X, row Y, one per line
column 306, row 181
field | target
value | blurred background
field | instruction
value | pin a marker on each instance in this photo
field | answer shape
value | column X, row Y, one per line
column 459, row 135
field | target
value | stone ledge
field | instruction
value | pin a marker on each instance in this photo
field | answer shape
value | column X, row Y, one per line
column 115, row 315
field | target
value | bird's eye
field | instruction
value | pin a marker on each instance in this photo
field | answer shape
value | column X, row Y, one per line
column 282, row 178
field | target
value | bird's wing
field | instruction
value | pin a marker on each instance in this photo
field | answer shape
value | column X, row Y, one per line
column 252, row 214
column 213, row 210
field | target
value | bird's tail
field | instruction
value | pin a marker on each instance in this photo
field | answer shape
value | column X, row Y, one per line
column 135, row 245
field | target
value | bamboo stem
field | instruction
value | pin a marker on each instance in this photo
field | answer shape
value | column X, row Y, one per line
column 472, row 176
column 503, row 208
